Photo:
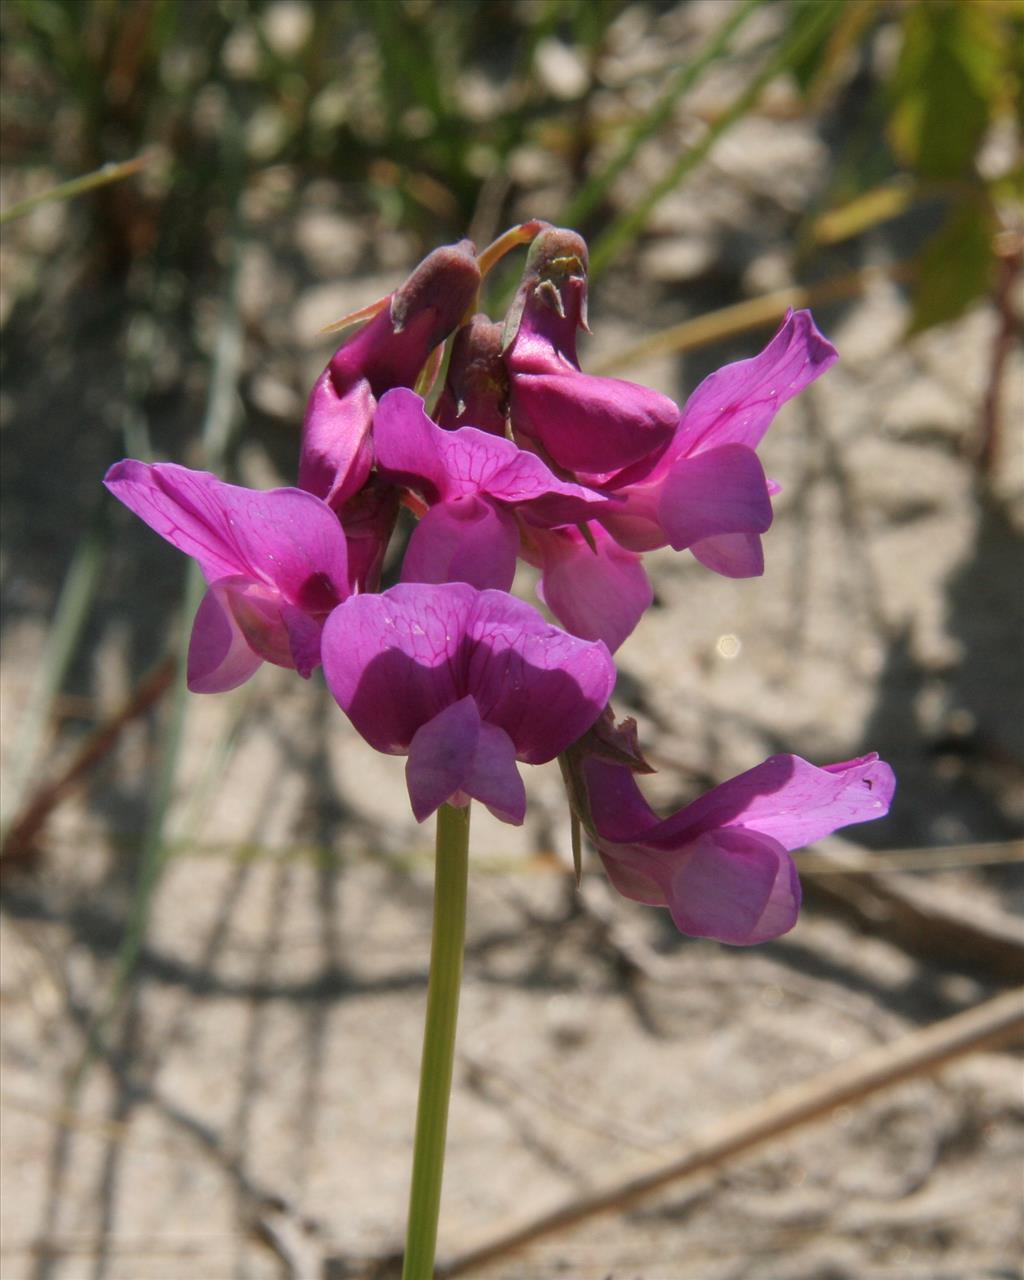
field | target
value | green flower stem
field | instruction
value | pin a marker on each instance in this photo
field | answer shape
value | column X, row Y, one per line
column 446, row 949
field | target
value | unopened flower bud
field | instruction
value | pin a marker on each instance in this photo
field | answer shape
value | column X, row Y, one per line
column 389, row 351
column 476, row 388
column 594, row 427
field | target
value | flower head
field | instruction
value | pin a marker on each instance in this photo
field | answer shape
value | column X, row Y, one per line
column 276, row 562
column 464, row 683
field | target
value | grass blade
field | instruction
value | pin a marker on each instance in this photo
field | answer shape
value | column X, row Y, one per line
column 684, row 80
column 73, row 604
column 100, row 177
column 804, row 33
column 752, row 313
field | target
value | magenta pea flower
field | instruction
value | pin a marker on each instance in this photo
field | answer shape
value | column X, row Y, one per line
column 477, row 488
column 276, row 563
column 721, row 865
column 595, row 588
column 464, row 683
column 594, row 427
column 707, row 491
column 389, row 351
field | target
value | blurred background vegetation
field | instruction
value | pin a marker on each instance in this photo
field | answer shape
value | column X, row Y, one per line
column 434, row 116
column 148, row 145
column 190, row 189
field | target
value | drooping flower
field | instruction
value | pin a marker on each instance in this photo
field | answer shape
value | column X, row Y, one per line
column 464, row 683
column 707, row 491
column 594, row 427
column 721, row 865
column 276, row 563
column 477, row 488
column 389, row 351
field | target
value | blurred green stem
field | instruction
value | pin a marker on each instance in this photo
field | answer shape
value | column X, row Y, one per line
column 77, row 186
column 69, row 620
column 446, row 951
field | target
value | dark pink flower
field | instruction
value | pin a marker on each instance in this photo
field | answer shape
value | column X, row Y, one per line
column 389, row 351
column 477, row 487
column 276, row 563
column 721, row 865
column 707, row 491
column 464, row 683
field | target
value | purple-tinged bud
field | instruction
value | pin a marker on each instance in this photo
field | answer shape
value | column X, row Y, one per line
column 389, row 351
column 594, row 427
column 476, row 388
column 551, row 303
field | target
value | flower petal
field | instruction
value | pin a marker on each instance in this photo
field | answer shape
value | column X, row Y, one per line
column 303, row 634
column 463, row 540
column 494, row 779
column 720, row 491
column 392, row 660
column 733, row 555
column 284, row 538
column 620, row 812
column 219, row 658
column 736, row 405
column 734, row 885
column 441, row 756
column 545, row 688
column 407, row 450
column 788, row 799
column 598, row 594
column 593, row 426
column 630, row 871
column 415, row 452
column 335, row 457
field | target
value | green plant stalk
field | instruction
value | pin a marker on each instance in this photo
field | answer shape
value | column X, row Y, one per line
column 446, row 951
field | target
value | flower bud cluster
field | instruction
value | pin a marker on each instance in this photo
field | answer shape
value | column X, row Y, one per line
column 505, row 449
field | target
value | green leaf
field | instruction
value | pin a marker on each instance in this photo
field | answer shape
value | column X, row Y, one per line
column 944, row 85
column 955, row 266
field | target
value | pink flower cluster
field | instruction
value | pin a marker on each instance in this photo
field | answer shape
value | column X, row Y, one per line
column 520, row 454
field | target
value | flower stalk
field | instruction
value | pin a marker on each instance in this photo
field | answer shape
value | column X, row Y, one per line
column 446, row 952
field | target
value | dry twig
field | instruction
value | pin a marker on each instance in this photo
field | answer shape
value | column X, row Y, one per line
column 996, row 1022
column 20, row 841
